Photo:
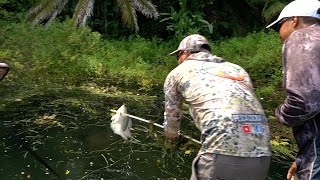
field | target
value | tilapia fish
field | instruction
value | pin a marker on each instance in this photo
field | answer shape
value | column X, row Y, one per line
column 121, row 123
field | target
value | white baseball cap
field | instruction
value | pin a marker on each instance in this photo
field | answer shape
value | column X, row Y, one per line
column 306, row 8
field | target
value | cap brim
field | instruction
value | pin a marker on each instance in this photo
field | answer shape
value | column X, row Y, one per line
column 273, row 24
column 174, row 52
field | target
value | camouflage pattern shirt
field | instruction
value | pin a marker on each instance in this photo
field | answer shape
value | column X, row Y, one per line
column 222, row 103
column 301, row 108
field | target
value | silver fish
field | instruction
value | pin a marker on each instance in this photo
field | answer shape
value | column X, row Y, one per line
column 121, row 123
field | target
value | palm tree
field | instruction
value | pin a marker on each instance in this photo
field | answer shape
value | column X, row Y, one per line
column 47, row 10
column 271, row 8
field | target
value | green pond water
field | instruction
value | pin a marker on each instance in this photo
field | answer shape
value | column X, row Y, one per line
column 71, row 133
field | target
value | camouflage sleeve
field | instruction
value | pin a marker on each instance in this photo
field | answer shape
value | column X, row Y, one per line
column 302, row 76
column 172, row 114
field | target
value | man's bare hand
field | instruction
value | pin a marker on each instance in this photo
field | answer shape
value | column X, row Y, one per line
column 292, row 171
column 171, row 135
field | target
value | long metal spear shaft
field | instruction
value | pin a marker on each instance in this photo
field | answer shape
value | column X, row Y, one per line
column 155, row 124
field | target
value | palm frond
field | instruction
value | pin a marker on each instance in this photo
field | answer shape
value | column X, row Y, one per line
column 146, row 8
column 46, row 10
column 129, row 16
column 256, row 2
column 83, row 11
column 35, row 10
column 272, row 9
column 56, row 12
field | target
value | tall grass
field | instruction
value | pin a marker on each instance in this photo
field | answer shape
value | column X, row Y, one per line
column 68, row 55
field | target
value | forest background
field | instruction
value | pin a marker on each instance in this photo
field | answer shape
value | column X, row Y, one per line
column 122, row 46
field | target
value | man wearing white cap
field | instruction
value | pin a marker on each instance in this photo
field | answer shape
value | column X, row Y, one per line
column 235, row 136
column 299, row 27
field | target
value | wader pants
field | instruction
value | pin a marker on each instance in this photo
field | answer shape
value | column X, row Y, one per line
column 221, row 167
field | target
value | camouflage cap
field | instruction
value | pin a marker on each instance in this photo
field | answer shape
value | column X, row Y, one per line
column 191, row 42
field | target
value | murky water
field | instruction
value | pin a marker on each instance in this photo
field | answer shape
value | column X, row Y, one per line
column 73, row 136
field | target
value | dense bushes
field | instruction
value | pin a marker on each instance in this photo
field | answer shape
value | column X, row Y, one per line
column 68, row 55
column 64, row 54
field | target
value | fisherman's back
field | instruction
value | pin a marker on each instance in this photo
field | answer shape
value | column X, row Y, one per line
column 223, row 106
column 234, row 129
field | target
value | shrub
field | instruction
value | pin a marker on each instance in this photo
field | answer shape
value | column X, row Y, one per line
column 68, row 55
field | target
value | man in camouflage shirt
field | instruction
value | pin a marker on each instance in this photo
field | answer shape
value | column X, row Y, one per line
column 299, row 28
column 234, row 129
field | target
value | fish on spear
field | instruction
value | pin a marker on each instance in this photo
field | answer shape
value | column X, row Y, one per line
column 121, row 124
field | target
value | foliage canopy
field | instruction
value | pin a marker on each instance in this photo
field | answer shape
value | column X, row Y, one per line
column 216, row 19
column 47, row 10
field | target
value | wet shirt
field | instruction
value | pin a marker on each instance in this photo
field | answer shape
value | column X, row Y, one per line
column 301, row 108
column 222, row 103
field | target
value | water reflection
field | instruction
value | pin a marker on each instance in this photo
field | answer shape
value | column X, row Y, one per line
column 74, row 137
